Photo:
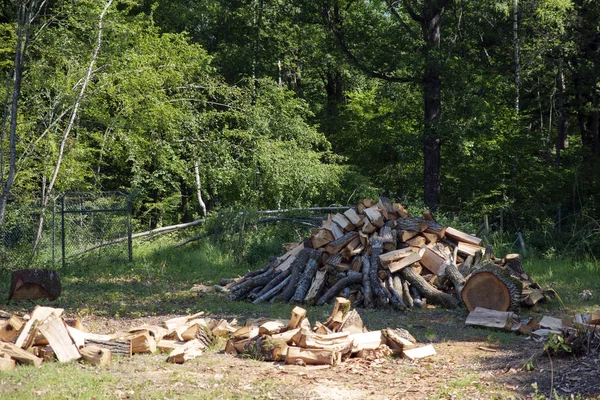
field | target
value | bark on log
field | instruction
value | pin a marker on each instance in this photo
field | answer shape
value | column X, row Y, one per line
column 279, row 277
column 273, row 291
column 395, row 298
column 117, row 347
column 406, row 297
column 248, row 285
column 296, row 268
column 307, row 277
column 353, row 277
column 366, row 282
column 432, row 295
column 417, row 298
column 513, row 261
column 411, row 224
column 451, row 273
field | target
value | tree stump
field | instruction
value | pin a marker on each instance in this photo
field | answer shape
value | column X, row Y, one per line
column 32, row 284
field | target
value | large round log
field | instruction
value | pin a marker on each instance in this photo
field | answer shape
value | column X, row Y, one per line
column 492, row 288
column 32, row 284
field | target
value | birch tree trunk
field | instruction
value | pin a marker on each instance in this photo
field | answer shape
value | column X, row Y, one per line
column 71, row 124
column 199, row 188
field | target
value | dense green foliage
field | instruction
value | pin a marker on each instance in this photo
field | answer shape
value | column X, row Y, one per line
column 288, row 104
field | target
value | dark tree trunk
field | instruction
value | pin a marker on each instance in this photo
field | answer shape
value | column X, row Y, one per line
column 430, row 20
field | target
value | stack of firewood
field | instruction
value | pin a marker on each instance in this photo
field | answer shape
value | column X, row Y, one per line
column 46, row 335
column 378, row 255
column 342, row 336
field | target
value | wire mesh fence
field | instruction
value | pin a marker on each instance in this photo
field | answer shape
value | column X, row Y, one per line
column 94, row 224
column 72, row 224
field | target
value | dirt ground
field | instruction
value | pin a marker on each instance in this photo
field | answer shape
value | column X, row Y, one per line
column 470, row 364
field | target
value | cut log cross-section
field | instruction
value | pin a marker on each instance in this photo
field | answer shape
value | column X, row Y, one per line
column 492, row 288
column 32, row 284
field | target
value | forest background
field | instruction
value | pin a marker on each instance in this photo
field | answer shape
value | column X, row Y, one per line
column 469, row 108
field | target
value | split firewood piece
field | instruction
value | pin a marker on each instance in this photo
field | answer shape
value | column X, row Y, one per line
column 340, row 309
column 395, row 255
column 20, row 355
column 300, row 356
column 419, row 352
column 142, row 342
column 96, row 355
column 386, row 208
column 306, row 279
column 469, row 249
column 188, row 351
column 286, row 336
column 333, row 341
column 321, row 238
column 492, row 318
column 400, row 210
column 552, row 323
column 167, row 346
column 343, row 222
column 7, row 363
column 367, row 340
column 356, row 263
column 286, row 264
column 433, row 295
column 173, row 323
column 367, row 227
column 290, row 253
column 353, row 217
column 157, row 332
column 416, row 241
column 298, row 314
column 352, row 323
column 374, row 216
column 493, row 288
column 223, row 328
column 433, row 261
column 38, row 316
column 338, row 244
column 353, row 248
column 32, row 284
column 404, row 262
column 316, row 287
column 54, row 330
column 80, row 337
column 434, row 227
column 459, row 236
column 333, row 228
column 513, row 261
column 245, row 332
column 398, row 339
column 595, row 318
column 271, row 327
column 431, row 238
column 351, row 278
column 404, row 235
column 10, row 329
column 411, row 224
column 532, row 296
column 385, row 233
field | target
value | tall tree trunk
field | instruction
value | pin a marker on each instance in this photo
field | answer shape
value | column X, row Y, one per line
column 561, row 139
column 516, row 52
column 76, row 105
column 430, row 25
column 199, row 189
column 23, row 22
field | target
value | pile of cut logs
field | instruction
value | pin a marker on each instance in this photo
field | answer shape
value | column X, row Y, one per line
column 342, row 336
column 378, row 255
column 46, row 335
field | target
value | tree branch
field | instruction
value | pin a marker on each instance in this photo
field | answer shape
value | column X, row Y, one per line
column 391, row 5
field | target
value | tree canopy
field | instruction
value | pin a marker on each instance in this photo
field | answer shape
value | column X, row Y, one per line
column 466, row 107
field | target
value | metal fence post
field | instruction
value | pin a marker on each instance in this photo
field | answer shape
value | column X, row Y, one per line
column 129, row 233
column 63, row 236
